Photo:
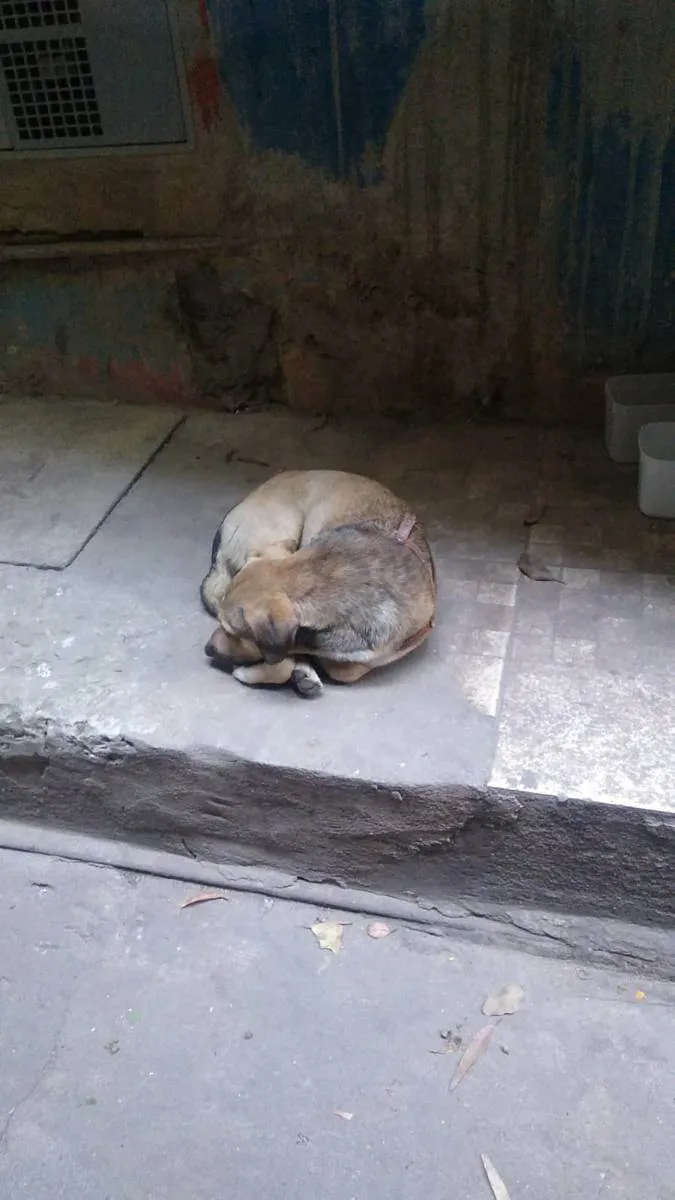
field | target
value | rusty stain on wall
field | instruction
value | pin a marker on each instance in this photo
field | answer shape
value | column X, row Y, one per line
column 204, row 15
column 204, row 83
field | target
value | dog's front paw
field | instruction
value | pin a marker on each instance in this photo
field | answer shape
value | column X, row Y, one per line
column 306, row 681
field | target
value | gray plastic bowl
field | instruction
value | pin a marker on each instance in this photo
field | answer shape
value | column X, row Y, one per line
column 632, row 401
column 657, row 469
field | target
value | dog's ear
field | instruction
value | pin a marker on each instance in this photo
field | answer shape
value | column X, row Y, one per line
column 274, row 628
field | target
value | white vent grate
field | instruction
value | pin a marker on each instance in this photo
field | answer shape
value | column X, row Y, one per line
column 90, row 76
column 37, row 14
column 51, row 89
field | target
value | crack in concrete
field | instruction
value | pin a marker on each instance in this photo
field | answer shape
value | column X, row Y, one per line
column 42, row 1074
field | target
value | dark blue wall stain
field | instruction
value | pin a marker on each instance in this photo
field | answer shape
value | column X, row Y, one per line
column 285, row 62
column 322, row 78
column 615, row 251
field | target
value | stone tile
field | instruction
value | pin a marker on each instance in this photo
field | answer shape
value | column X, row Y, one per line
column 570, row 652
column 492, row 643
column 531, row 648
column 534, row 621
column 578, row 625
column 592, row 735
column 63, row 467
column 497, row 593
column 491, row 616
column 581, row 579
column 550, row 554
column 477, row 570
column 480, row 678
column 458, row 589
column 618, row 560
column 544, row 534
column 514, row 511
column 499, row 572
column 582, row 557
column 659, row 605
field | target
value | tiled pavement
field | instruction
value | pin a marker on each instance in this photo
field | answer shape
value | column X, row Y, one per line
column 580, row 673
column 563, row 688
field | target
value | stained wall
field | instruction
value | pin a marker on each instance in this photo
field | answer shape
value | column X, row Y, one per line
column 424, row 209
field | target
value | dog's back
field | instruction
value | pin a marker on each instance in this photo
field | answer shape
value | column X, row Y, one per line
column 285, row 514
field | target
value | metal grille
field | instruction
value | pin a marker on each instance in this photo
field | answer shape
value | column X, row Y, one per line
column 51, row 88
column 35, row 14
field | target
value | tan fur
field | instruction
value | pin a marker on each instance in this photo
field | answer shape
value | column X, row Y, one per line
column 309, row 565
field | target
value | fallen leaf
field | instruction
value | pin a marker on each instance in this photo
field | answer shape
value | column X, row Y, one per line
column 341, row 1112
column 378, row 929
column 329, row 935
column 203, row 897
column 477, row 1046
column 494, row 1179
column 537, row 570
column 640, row 995
column 534, row 515
column 504, row 1002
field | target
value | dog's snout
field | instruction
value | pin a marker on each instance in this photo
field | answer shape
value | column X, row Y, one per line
column 216, row 647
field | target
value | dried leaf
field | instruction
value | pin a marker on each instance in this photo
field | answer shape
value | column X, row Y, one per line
column 341, row 1112
column 537, row 570
column 477, row 1046
column 640, row 995
column 329, row 935
column 504, row 1002
column 534, row 515
column 203, row 898
column 378, row 929
column 494, row 1179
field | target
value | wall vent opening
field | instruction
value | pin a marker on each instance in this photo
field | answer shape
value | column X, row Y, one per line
column 51, row 89
column 38, row 14
column 87, row 75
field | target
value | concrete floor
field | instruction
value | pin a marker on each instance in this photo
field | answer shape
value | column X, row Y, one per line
column 156, row 1052
column 560, row 689
column 524, row 755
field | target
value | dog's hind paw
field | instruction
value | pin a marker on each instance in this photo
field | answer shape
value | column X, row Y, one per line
column 306, row 681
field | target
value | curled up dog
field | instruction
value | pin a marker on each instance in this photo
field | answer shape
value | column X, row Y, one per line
column 323, row 566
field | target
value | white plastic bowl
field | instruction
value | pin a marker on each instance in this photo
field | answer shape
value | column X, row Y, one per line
column 657, row 469
column 632, row 401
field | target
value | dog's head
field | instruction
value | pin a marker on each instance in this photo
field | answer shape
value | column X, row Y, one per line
column 270, row 624
column 257, row 617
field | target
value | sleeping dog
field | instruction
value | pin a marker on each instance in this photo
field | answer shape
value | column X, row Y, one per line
column 323, row 565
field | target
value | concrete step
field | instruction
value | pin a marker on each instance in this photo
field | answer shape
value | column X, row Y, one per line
column 522, row 755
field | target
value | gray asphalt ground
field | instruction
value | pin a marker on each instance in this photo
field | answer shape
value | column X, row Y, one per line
column 217, row 1052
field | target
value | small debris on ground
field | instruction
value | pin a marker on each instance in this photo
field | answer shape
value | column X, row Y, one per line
column 378, row 929
column 453, row 1042
column 537, row 570
column 640, row 995
column 494, row 1179
column 476, row 1047
column 203, row 898
column 341, row 1112
column 329, row 934
column 504, row 1002
column 112, row 1047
